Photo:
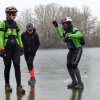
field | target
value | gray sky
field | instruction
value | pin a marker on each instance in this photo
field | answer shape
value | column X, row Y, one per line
column 94, row 5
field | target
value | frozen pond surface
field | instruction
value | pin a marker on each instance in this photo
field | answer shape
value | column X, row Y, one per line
column 52, row 77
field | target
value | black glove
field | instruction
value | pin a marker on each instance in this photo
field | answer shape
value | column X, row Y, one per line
column 55, row 23
column 3, row 53
column 21, row 51
column 66, row 39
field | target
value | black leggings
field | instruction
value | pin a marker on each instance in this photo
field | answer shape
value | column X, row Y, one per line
column 13, row 54
column 29, row 60
column 73, row 59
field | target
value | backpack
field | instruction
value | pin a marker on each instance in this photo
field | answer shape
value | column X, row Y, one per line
column 82, row 40
column 7, row 26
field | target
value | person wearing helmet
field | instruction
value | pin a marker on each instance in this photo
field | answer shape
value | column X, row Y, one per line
column 31, row 43
column 10, row 47
column 71, row 36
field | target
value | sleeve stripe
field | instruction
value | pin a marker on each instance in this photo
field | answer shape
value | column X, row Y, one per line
column 1, row 29
column 18, row 30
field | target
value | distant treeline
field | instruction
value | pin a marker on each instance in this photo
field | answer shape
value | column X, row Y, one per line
column 43, row 15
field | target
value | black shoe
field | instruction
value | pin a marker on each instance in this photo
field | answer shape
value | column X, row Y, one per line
column 8, row 88
column 71, row 85
column 20, row 90
column 79, row 86
column 32, row 81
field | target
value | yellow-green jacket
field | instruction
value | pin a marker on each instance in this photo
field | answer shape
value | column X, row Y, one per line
column 74, row 37
column 4, row 34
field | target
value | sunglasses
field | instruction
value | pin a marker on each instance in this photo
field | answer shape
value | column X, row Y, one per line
column 13, row 14
column 65, row 24
column 30, row 30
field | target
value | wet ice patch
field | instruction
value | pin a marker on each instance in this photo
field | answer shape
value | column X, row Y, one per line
column 67, row 81
column 98, row 92
column 85, row 76
column 85, row 72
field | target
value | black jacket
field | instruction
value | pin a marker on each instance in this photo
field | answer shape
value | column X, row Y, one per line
column 31, row 42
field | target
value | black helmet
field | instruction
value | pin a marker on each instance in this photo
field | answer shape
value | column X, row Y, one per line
column 11, row 9
column 29, row 26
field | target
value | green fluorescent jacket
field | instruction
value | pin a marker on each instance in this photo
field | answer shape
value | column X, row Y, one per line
column 3, row 34
column 75, row 37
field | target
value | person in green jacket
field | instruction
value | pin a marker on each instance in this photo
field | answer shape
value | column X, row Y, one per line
column 73, row 37
column 11, row 47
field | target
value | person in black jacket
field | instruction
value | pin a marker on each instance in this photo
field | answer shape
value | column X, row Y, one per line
column 31, row 43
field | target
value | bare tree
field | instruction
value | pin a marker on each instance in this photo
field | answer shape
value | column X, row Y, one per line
column 43, row 15
column 88, row 24
column 25, row 17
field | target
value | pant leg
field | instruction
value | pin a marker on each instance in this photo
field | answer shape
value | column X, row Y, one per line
column 16, row 63
column 75, row 60
column 29, row 60
column 26, row 59
column 69, row 66
column 7, row 63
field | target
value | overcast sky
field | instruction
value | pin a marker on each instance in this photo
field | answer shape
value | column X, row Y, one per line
column 94, row 5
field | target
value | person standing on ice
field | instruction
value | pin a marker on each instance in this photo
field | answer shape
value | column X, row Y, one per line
column 31, row 44
column 11, row 48
column 74, row 39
